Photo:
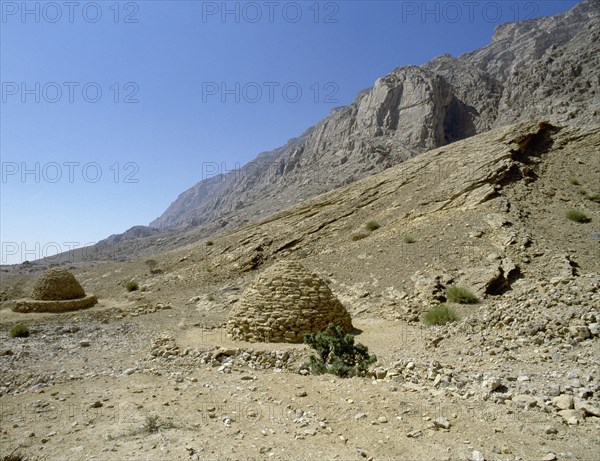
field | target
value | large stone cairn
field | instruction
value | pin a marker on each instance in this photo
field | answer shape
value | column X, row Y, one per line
column 57, row 285
column 57, row 290
column 285, row 302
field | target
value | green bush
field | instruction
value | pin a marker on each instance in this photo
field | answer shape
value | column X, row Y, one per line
column 372, row 226
column 338, row 354
column 211, row 297
column 359, row 236
column 574, row 181
column 460, row 295
column 210, row 243
column 577, row 216
column 593, row 196
column 440, row 315
column 409, row 239
column 132, row 286
column 20, row 330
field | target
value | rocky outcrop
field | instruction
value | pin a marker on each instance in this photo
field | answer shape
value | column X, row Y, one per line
column 135, row 232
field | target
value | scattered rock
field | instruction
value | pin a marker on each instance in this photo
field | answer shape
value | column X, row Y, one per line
column 491, row 384
column 587, row 408
column 525, row 401
column 380, row 373
column 441, row 423
column 563, row 402
column 414, row 434
column 571, row 417
column 477, row 456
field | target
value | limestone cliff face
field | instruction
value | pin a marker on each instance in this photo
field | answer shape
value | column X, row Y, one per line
column 401, row 116
column 545, row 68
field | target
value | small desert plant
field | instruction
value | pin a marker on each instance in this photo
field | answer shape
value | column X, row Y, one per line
column 132, row 286
column 372, row 226
column 574, row 181
column 359, row 236
column 593, row 196
column 12, row 456
column 151, row 263
column 338, row 354
column 409, row 239
column 210, row 243
column 151, row 424
column 20, row 330
column 211, row 297
column 440, row 315
column 577, row 216
column 460, row 295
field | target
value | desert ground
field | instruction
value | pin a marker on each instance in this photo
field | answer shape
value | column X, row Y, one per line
column 152, row 374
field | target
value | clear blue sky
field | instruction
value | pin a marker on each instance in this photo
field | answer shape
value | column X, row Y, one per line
column 173, row 57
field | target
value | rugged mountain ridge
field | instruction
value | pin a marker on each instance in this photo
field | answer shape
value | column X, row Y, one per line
column 544, row 68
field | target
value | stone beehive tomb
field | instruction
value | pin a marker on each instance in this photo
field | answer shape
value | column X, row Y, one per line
column 285, row 302
column 57, row 290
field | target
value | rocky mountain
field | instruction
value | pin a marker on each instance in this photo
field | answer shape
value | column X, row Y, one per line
column 135, row 232
column 545, row 68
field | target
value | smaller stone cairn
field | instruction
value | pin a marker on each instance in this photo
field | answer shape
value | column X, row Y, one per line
column 285, row 302
column 57, row 290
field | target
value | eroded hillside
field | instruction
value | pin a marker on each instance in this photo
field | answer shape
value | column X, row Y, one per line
column 152, row 373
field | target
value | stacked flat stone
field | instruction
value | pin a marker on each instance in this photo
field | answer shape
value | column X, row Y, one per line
column 283, row 304
column 57, row 290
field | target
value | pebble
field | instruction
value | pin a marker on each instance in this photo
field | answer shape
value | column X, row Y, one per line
column 491, row 384
column 380, row 373
column 571, row 417
column 563, row 402
column 525, row 401
column 477, row 456
column 441, row 423
column 588, row 408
